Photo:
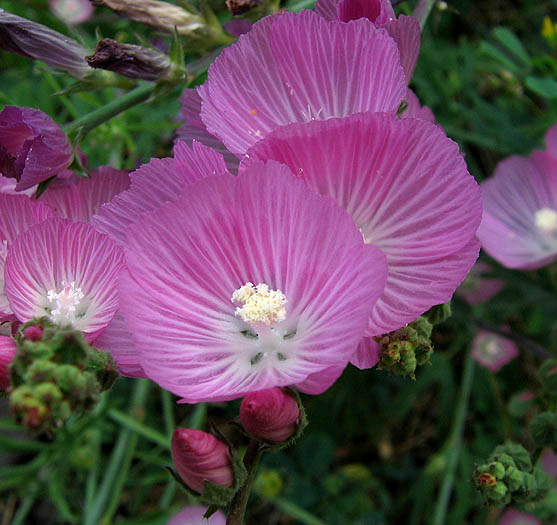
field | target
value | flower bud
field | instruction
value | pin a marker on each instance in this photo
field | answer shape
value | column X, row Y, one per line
column 31, row 40
column 200, row 457
column 33, row 333
column 129, row 60
column 8, row 350
column 270, row 415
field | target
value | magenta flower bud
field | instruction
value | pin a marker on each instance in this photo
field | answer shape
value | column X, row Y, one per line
column 33, row 333
column 33, row 147
column 270, row 415
column 200, row 457
column 8, row 349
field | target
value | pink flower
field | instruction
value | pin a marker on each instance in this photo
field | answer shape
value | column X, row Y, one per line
column 415, row 109
column 8, row 350
column 261, row 283
column 299, row 67
column 405, row 30
column 407, row 188
column 477, row 288
column 548, row 461
column 270, row 415
column 72, row 11
column 65, row 271
column 33, row 147
column 194, row 516
column 493, row 351
column 519, row 225
column 17, row 214
column 200, row 457
column 515, row 517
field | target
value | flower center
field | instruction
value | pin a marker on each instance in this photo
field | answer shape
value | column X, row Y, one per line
column 64, row 303
column 546, row 220
column 260, row 304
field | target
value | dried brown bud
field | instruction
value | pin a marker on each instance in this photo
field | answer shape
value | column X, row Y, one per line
column 239, row 7
column 31, row 40
column 129, row 60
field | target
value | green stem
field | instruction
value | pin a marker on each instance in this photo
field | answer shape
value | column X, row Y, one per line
column 507, row 434
column 168, row 411
column 197, row 418
column 296, row 512
column 25, row 507
column 86, row 123
column 240, row 501
column 422, row 10
column 136, row 426
column 455, row 442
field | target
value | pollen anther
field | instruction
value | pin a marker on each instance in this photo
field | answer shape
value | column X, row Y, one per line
column 260, row 304
column 65, row 303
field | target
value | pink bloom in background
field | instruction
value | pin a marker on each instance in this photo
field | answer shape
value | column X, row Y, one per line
column 33, row 147
column 548, row 462
column 477, row 288
column 493, row 351
column 407, row 188
column 519, row 226
column 194, row 516
column 405, row 30
column 199, row 457
column 238, row 26
column 66, row 271
column 72, row 11
column 515, row 517
column 262, row 283
column 8, row 349
column 299, row 67
column 17, row 214
column 270, row 415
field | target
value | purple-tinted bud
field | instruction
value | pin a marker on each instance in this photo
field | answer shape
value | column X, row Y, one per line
column 33, row 147
column 130, row 60
column 33, row 333
column 31, row 40
column 8, row 349
column 200, row 457
column 270, row 415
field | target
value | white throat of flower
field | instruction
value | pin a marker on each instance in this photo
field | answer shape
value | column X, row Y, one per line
column 260, row 304
column 546, row 220
column 64, row 304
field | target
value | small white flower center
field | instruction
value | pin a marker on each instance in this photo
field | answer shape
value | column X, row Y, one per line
column 64, row 303
column 546, row 220
column 260, row 304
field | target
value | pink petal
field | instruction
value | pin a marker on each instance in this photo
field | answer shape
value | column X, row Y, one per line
column 551, row 141
column 367, row 354
column 194, row 516
column 297, row 67
column 8, row 350
column 493, row 351
column 513, row 198
column 263, row 226
column 327, row 9
column 515, row 517
column 59, row 251
column 406, row 32
column 477, row 288
column 118, row 341
column 353, row 9
column 79, row 198
column 408, row 190
column 415, row 109
column 319, row 382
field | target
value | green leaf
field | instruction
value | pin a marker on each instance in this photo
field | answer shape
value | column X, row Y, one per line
column 509, row 40
column 544, row 87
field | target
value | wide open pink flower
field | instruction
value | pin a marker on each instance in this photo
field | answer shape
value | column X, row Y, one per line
column 65, row 271
column 247, row 283
column 407, row 188
column 519, row 225
column 17, row 214
column 299, row 67
column 405, row 30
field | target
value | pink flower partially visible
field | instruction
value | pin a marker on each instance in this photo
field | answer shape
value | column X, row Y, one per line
column 8, row 350
column 548, row 462
column 515, row 517
column 405, row 30
column 477, row 288
column 194, row 516
column 415, row 109
column 261, row 283
column 519, row 225
column 65, row 271
column 33, row 147
column 270, row 415
column 72, row 11
column 200, row 457
column 299, row 67
column 493, row 351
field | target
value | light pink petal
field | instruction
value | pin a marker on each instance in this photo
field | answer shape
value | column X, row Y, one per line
column 406, row 32
column 297, row 67
column 548, row 461
column 408, row 190
column 512, row 229
column 59, row 251
column 7, row 186
column 367, row 354
column 327, row 9
column 8, row 350
column 493, row 351
column 319, row 382
column 194, row 516
column 79, row 198
column 415, row 109
column 263, row 226
column 198, row 161
column 118, row 341
column 515, row 517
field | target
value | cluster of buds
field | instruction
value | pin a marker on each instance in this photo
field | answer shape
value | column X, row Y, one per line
column 406, row 348
column 508, row 476
column 212, row 468
column 55, row 373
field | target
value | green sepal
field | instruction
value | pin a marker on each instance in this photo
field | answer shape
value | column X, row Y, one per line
column 402, row 108
column 439, row 313
column 43, row 185
column 516, row 452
